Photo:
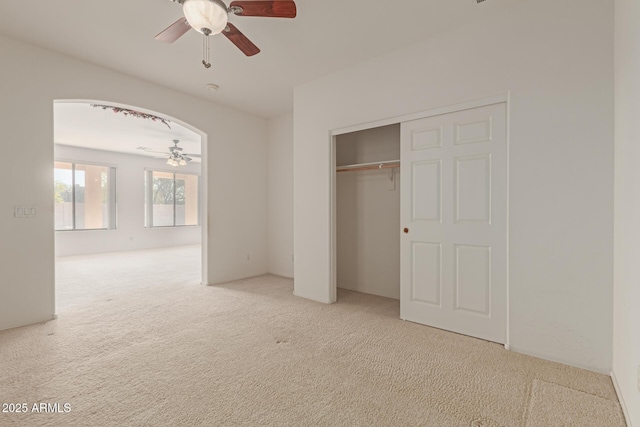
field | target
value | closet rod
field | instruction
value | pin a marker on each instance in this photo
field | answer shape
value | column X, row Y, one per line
column 369, row 166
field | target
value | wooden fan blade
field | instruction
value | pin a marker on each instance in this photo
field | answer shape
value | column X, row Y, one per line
column 240, row 40
column 174, row 31
column 268, row 9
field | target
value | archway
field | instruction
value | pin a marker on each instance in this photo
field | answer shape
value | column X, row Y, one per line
column 121, row 195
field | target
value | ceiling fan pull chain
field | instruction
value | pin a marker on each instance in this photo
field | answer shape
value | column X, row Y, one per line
column 205, row 52
column 208, row 52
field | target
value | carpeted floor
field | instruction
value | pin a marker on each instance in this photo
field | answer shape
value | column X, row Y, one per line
column 139, row 342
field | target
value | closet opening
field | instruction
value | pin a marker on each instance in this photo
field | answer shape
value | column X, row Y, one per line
column 367, row 211
column 433, row 232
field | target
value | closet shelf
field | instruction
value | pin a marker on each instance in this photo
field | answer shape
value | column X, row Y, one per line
column 369, row 166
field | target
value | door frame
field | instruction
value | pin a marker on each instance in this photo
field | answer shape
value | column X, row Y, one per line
column 333, row 233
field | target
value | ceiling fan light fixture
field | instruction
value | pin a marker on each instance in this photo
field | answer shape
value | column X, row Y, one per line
column 206, row 16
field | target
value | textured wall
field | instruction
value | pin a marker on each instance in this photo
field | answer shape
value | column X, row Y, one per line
column 555, row 60
column 31, row 79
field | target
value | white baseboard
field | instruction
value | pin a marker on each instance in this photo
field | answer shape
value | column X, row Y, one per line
column 516, row 349
column 235, row 280
column 324, row 301
column 20, row 325
column 244, row 278
column 616, row 386
column 279, row 274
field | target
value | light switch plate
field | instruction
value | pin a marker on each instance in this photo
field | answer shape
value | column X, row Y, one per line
column 25, row 211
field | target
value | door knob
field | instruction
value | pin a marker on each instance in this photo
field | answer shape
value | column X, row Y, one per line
column 406, row 230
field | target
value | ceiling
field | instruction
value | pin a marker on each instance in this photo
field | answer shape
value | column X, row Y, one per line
column 81, row 125
column 326, row 36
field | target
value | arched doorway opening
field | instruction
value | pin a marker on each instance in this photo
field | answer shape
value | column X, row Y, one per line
column 130, row 200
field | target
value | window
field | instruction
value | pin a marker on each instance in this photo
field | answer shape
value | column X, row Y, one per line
column 172, row 199
column 84, row 196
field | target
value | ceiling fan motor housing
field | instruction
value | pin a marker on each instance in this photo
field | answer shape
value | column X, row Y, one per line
column 206, row 16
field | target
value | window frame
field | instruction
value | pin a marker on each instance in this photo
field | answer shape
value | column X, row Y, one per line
column 148, row 197
column 113, row 199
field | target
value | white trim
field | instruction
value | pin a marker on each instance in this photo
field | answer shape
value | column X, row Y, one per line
column 284, row 275
column 35, row 322
column 507, row 338
column 204, row 202
column 238, row 279
column 616, row 387
column 424, row 114
column 333, row 221
column 320, row 300
column 560, row 360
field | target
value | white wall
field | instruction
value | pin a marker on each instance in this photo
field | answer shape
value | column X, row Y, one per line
column 130, row 233
column 556, row 61
column 31, row 79
column 368, row 213
column 626, row 311
column 280, row 183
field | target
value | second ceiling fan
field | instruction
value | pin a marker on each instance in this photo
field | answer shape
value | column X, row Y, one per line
column 210, row 17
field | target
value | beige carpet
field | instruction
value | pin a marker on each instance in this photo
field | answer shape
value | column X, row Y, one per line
column 139, row 342
column 554, row 405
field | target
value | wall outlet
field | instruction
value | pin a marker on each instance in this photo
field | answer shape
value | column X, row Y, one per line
column 248, row 257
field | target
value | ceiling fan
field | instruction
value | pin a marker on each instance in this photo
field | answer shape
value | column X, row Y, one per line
column 176, row 156
column 210, row 17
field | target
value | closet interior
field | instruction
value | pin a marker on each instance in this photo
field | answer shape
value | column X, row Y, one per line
column 368, row 211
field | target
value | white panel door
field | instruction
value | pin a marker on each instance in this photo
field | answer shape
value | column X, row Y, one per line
column 454, row 215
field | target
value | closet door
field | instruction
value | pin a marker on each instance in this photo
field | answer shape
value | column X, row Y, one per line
column 454, row 219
